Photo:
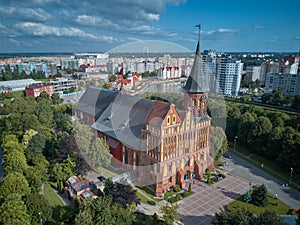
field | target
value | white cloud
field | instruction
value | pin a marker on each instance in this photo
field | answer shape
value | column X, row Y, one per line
column 21, row 14
column 38, row 29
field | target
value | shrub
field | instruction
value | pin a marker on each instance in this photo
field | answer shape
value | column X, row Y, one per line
column 150, row 202
column 222, row 175
column 172, row 200
column 176, row 188
column 293, row 212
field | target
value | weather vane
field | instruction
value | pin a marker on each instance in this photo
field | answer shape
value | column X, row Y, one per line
column 199, row 27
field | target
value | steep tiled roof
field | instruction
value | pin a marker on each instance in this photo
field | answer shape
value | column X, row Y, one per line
column 197, row 81
column 158, row 112
column 95, row 100
column 124, row 119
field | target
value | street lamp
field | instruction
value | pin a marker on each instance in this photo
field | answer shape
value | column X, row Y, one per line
column 41, row 220
column 291, row 175
column 234, row 143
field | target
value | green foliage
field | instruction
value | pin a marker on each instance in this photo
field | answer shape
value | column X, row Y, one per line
column 150, row 202
column 14, row 183
column 106, row 86
column 218, row 142
column 112, row 78
column 38, row 208
column 96, row 149
column 103, row 211
column 15, row 162
column 235, row 216
column 259, row 196
column 251, row 126
column 269, row 217
column 170, row 214
column 176, row 188
column 121, row 193
column 13, row 211
column 247, row 197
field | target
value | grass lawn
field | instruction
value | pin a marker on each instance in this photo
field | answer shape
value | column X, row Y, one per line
column 107, row 173
column 51, row 196
column 142, row 198
column 149, row 193
column 274, row 204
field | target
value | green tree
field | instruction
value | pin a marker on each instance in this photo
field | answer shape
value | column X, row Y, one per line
column 56, row 99
column 245, row 127
column 35, row 146
column 269, row 217
column 238, row 216
column 38, row 208
column 14, row 183
column 170, row 214
column 15, row 162
column 233, row 117
column 44, row 111
column 262, row 127
column 259, row 196
column 95, row 149
column 218, row 142
column 112, row 78
column 13, row 211
column 34, row 179
column 106, row 86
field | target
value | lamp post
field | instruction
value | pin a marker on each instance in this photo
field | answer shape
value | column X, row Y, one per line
column 291, row 175
column 41, row 220
column 234, row 143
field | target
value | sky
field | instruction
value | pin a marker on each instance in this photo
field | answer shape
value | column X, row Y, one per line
column 104, row 25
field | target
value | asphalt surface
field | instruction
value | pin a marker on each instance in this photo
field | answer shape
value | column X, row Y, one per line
column 241, row 168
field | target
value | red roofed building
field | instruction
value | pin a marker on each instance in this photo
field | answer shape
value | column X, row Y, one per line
column 82, row 189
column 36, row 89
column 159, row 143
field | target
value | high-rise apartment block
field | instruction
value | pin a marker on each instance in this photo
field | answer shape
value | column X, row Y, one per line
column 224, row 73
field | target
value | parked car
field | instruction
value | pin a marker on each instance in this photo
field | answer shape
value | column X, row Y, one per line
column 227, row 155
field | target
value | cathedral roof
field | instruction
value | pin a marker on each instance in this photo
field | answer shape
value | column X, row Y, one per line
column 197, row 81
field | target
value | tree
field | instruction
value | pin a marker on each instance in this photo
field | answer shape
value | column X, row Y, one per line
column 107, row 212
column 106, row 86
column 112, row 78
column 247, row 197
column 38, row 208
column 218, row 142
column 94, row 149
column 11, row 143
column 123, row 194
column 170, row 214
column 56, row 99
column 238, row 216
column 14, row 183
column 269, row 217
column 245, row 127
column 13, row 211
column 35, row 146
column 262, row 127
column 15, row 162
column 259, row 196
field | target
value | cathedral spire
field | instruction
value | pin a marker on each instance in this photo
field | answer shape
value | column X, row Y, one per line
column 197, row 82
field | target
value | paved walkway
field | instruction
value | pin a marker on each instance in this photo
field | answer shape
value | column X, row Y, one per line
column 201, row 207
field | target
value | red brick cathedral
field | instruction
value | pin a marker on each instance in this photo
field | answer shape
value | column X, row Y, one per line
column 163, row 145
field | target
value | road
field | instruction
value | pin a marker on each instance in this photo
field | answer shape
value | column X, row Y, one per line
column 241, row 168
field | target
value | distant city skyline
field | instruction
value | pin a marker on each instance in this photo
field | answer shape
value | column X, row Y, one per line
column 99, row 26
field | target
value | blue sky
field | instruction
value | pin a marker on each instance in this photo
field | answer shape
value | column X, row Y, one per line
column 101, row 25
